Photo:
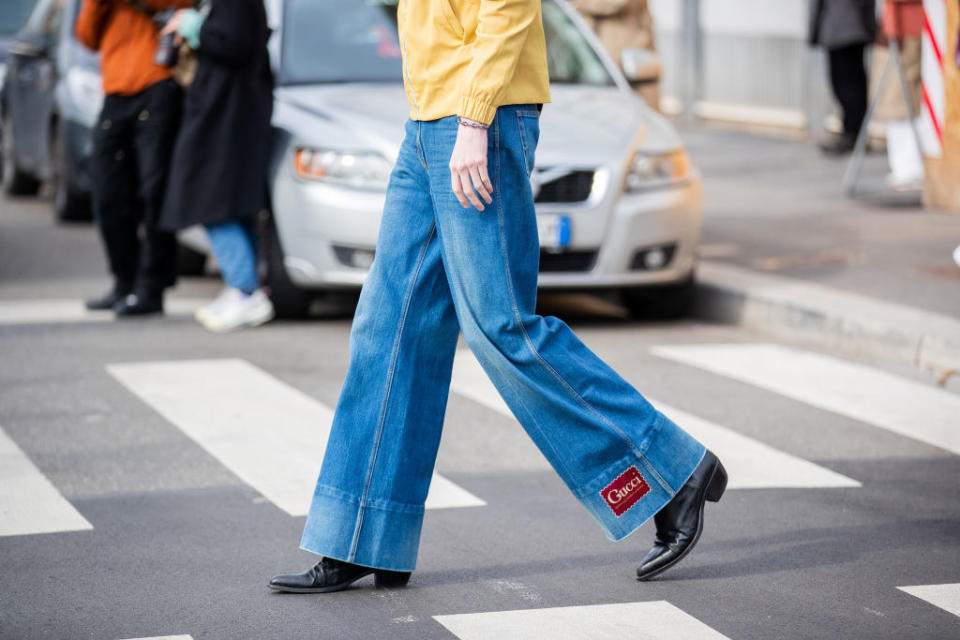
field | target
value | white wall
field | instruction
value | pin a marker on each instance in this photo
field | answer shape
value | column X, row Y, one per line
column 786, row 18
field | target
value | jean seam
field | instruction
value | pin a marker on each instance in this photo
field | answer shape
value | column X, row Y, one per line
column 378, row 434
column 656, row 427
column 332, row 493
column 421, row 156
column 523, row 139
column 513, row 301
column 632, row 446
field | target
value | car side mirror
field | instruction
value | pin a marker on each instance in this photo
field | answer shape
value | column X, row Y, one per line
column 31, row 46
column 640, row 65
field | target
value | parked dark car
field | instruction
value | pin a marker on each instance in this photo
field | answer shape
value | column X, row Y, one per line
column 49, row 106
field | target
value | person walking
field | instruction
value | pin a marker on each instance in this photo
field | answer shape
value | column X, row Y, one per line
column 219, row 171
column 844, row 28
column 902, row 23
column 131, row 151
column 457, row 250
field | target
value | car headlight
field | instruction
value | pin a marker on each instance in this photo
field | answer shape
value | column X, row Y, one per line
column 86, row 92
column 657, row 171
column 359, row 170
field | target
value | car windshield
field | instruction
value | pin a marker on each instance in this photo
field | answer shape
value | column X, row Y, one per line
column 334, row 41
column 14, row 14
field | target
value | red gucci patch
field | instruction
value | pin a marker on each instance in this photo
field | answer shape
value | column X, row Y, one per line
column 625, row 491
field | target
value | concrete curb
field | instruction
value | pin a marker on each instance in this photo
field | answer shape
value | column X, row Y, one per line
column 836, row 319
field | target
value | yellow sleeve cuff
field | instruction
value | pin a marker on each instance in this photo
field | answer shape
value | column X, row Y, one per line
column 476, row 110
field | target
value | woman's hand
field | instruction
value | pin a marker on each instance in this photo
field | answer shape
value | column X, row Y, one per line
column 468, row 167
column 172, row 25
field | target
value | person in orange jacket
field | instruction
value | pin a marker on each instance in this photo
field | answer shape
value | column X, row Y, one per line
column 132, row 146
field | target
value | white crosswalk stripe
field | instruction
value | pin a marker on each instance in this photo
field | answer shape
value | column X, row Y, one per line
column 869, row 395
column 269, row 434
column 164, row 638
column 57, row 310
column 750, row 463
column 657, row 620
column 29, row 503
column 945, row 596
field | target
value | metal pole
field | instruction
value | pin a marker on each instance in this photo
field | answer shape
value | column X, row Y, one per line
column 852, row 172
column 691, row 56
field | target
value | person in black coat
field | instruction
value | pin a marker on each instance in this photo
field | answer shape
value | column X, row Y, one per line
column 844, row 28
column 218, row 175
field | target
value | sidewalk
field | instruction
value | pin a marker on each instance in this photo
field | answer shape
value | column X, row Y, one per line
column 785, row 252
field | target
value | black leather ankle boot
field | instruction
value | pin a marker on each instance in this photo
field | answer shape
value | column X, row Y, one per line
column 334, row 575
column 680, row 521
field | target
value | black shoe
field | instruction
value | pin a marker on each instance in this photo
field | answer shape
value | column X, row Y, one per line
column 838, row 145
column 334, row 575
column 108, row 300
column 680, row 522
column 139, row 305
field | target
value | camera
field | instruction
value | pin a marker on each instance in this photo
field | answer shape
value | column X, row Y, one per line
column 166, row 55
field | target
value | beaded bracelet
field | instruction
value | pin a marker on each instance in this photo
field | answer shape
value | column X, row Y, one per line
column 472, row 123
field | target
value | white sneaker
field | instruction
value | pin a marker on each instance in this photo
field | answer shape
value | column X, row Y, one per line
column 204, row 312
column 237, row 310
column 903, row 184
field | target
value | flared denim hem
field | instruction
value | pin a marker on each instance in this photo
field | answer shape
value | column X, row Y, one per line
column 661, row 479
column 379, row 534
column 441, row 271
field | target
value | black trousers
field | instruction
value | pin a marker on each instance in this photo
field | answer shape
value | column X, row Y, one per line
column 848, row 77
column 131, row 158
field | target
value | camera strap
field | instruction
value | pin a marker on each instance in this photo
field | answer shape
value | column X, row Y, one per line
column 142, row 7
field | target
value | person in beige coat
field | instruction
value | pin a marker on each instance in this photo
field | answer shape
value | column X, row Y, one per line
column 626, row 24
column 903, row 22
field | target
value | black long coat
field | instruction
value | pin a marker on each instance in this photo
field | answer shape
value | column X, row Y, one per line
column 218, row 171
column 838, row 23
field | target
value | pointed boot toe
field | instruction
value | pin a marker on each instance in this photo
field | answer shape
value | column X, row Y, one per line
column 330, row 575
column 680, row 522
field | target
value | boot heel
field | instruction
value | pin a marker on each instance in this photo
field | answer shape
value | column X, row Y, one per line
column 390, row 579
column 718, row 484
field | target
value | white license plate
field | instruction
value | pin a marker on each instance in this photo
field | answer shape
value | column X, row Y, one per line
column 553, row 229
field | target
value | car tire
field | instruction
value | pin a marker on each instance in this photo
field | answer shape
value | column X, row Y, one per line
column 13, row 181
column 69, row 205
column 665, row 302
column 289, row 300
column 190, row 262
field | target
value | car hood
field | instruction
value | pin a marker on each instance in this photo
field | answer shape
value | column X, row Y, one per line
column 583, row 126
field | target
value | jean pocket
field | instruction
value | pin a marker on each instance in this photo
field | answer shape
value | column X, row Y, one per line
column 528, row 125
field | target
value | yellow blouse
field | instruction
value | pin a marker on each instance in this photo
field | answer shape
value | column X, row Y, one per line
column 468, row 57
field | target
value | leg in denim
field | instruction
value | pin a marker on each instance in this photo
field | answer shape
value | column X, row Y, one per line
column 234, row 245
column 440, row 266
column 368, row 504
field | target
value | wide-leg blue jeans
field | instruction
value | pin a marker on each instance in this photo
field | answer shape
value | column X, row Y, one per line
column 440, row 269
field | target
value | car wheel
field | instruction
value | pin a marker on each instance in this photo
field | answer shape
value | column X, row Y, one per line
column 68, row 204
column 661, row 301
column 190, row 262
column 14, row 181
column 289, row 300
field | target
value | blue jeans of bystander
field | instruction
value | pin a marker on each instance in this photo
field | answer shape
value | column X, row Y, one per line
column 234, row 245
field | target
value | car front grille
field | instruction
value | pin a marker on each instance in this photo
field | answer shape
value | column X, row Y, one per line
column 567, row 260
column 573, row 187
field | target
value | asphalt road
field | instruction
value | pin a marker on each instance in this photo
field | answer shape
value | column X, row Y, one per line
column 143, row 486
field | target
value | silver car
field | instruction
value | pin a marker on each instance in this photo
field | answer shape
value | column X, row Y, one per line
column 618, row 200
